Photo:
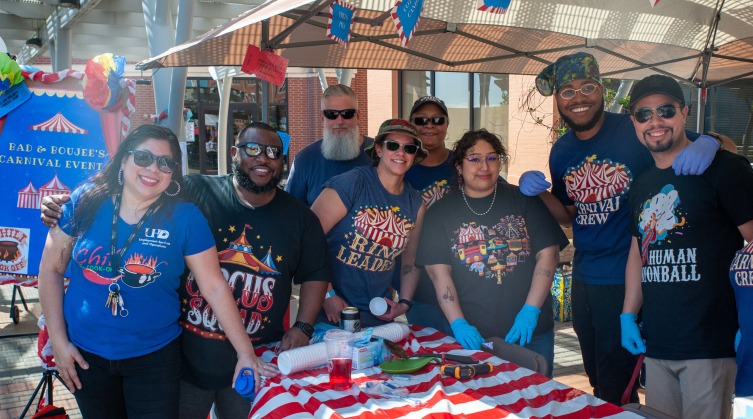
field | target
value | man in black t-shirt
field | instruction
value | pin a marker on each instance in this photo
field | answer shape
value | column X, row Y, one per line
column 685, row 230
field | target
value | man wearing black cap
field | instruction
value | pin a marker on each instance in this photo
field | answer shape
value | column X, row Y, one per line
column 686, row 230
column 592, row 168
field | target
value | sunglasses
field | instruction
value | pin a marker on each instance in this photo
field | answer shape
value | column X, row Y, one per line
column 394, row 146
column 490, row 159
column 143, row 158
column 587, row 89
column 666, row 111
column 255, row 150
column 345, row 113
column 424, row 120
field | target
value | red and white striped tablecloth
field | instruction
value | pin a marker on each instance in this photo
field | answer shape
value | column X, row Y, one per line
column 508, row 392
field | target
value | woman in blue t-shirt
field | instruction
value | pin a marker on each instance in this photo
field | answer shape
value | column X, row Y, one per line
column 126, row 240
column 371, row 215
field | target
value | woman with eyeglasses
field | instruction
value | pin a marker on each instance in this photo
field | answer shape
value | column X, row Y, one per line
column 491, row 253
column 126, row 240
column 371, row 215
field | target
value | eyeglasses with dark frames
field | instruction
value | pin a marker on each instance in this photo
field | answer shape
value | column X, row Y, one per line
column 252, row 149
column 424, row 120
column 586, row 89
column 345, row 113
column 666, row 111
column 394, row 146
column 143, row 158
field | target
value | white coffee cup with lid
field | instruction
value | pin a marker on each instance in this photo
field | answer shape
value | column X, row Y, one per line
column 378, row 306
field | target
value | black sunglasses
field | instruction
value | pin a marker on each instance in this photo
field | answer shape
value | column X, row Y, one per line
column 332, row 114
column 394, row 146
column 143, row 158
column 666, row 111
column 255, row 150
column 424, row 120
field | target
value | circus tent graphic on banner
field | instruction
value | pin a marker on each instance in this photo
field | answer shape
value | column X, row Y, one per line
column 58, row 123
column 30, row 197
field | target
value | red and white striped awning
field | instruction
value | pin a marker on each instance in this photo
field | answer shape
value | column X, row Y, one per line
column 59, row 123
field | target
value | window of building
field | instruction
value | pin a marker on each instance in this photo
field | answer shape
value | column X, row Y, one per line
column 473, row 100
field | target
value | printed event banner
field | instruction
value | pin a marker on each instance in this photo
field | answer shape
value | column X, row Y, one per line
column 48, row 145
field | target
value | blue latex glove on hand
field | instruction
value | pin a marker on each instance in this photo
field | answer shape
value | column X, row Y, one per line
column 738, row 336
column 631, row 335
column 533, row 183
column 696, row 157
column 525, row 323
column 467, row 335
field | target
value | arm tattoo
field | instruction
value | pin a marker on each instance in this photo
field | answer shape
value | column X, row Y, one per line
column 448, row 296
column 406, row 269
column 544, row 272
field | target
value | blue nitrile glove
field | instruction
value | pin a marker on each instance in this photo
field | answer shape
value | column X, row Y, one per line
column 533, row 183
column 525, row 323
column 467, row 335
column 738, row 336
column 244, row 384
column 631, row 335
column 696, row 157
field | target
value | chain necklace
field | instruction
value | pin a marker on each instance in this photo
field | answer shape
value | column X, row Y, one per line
column 462, row 189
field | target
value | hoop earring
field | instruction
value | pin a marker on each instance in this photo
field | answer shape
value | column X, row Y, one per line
column 177, row 191
column 120, row 177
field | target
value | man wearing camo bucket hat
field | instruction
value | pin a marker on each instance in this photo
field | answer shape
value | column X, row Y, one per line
column 371, row 215
column 592, row 167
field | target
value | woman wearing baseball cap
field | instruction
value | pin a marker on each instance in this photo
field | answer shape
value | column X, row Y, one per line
column 371, row 215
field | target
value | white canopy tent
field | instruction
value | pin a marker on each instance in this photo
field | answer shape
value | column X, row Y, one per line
column 700, row 42
column 696, row 41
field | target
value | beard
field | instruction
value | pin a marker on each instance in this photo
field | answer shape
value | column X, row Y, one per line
column 661, row 146
column 340, row 147
column 588, row 124
column 246, row 183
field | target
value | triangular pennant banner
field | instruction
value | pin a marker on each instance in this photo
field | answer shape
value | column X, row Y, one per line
column 494, row 6
column 405, row 15
column 340, row 18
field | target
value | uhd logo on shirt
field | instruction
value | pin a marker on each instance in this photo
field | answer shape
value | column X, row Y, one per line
column 155, row 233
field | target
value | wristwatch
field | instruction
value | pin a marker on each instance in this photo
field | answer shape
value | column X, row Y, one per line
column 715, row 136
column 408, row 303
column 306, row 328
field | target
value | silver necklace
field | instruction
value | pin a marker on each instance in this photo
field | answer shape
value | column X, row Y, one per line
column 462, row 189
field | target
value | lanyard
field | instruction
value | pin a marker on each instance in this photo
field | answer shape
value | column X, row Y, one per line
column 116, row 256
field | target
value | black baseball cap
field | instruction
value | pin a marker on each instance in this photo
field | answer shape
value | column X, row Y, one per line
column 429, row 99
column 656, row 84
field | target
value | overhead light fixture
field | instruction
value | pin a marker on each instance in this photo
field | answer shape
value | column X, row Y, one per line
column 73, row 4
column 34, row 42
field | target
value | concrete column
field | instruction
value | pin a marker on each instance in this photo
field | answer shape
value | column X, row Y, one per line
column 178, row 84
column 160, row 37
column 63, row 51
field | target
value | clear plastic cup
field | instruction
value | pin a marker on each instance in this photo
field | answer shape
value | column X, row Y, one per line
column 339, row 345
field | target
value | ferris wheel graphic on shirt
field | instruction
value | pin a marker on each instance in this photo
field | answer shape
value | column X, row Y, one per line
column 493, row 252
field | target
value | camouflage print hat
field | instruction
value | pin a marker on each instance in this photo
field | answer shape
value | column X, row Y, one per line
column 580, row 65
column 399, row 126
